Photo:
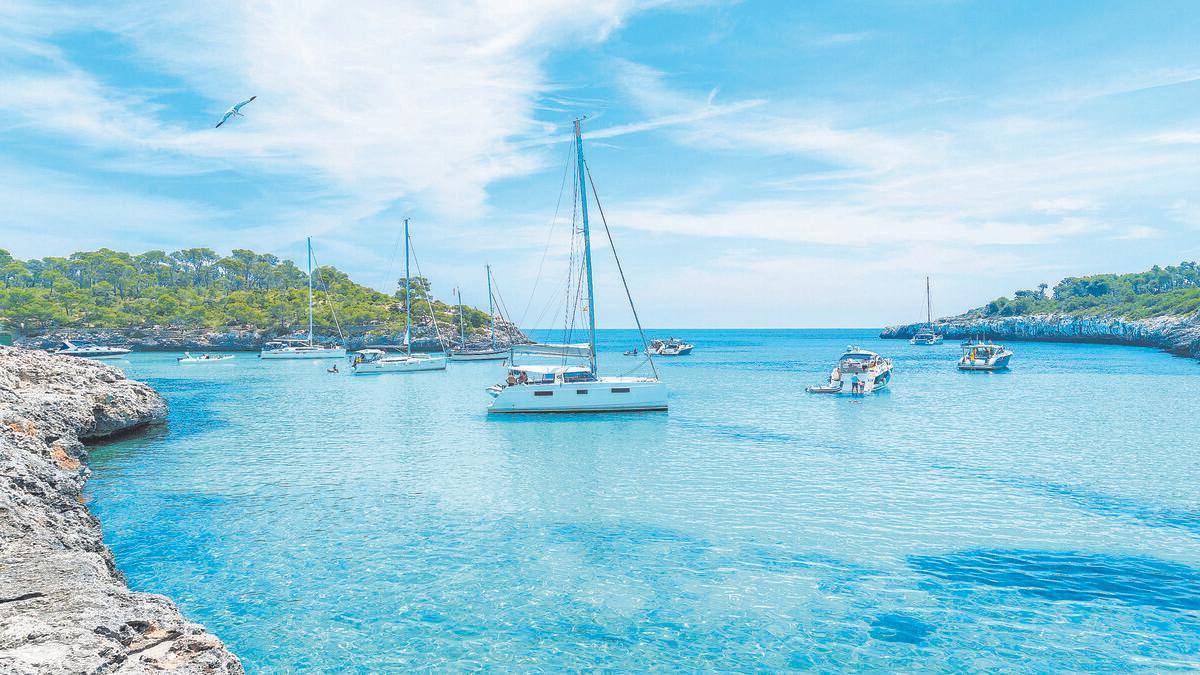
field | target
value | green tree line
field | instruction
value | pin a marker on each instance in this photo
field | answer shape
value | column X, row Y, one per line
column 1160, row 291
column 199, row 288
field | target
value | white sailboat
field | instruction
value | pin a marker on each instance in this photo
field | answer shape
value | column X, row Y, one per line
column 927, row 335
column 294, row 348
column 566, row 388
column 465, row 353
column 389, row 359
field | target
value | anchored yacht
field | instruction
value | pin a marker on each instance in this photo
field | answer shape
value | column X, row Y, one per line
column 80, row 348
column 984, row 355
column 573, row 384
column 670, row 347
column 297, row 348
column 478, row 353
column 927, row 335
column 859, row 371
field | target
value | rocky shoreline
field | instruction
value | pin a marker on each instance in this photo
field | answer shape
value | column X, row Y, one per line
column 164, row 339
column 1176, row 334
column 64, row 605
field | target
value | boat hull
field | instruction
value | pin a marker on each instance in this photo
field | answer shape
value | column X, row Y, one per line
column 998, row 363
column 926, row 341
column 288, row 353
column 871, row 382
column 399, row 365
column 605, row 395
column 480, row 356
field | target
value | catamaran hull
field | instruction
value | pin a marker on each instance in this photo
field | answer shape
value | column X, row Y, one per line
column 580, row 397
column 338, row 353
column 399, row 366
column 480, row 356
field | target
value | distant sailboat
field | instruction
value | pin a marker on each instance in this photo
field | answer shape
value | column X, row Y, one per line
column 465, row 353
column 562, row 388
column 389, row 359
column 295, row 348
column 927, row 335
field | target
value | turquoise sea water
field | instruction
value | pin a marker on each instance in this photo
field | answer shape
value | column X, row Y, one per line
column 1047, row 518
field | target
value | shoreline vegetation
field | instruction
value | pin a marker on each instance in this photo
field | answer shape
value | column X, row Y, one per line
column 197, row 299
column 65, row 606
column 1157, row 308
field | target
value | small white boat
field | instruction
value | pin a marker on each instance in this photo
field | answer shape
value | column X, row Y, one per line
column 927, row 336
column 984, row 356
column 576, row 387
column 858, row 372
column 294, row 348
column 91, row 351
column 204, row 358
column 393, row 360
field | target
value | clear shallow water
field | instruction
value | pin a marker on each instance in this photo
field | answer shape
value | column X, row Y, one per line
column 1044, row 518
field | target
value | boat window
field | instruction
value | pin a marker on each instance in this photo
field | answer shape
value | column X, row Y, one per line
column 581, row 391
column 543, row 393
column 620, row 390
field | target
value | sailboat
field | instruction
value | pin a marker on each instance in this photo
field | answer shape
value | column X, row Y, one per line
column 465, row 353
column 927, row 336
column 389, row 359
column 563, row 388
column 295, row 348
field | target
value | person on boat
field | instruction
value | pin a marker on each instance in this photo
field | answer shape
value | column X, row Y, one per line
column 512, row 380
column 854, row 385
column 334, row 369
column 523, row 378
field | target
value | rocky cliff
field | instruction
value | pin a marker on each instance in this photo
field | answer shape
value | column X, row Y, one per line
column 64, row 606
column 1176, row 334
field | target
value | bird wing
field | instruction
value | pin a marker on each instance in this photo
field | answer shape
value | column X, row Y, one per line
column 224, row 119
column 238, row 107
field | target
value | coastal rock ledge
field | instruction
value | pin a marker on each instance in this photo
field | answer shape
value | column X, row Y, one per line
column 1176, row 334
column 64, row 606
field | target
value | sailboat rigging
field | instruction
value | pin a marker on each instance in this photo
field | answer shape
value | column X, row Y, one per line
column 294, row 348
column 469, row 353
column 560, row 387
column 927, row 335
column 386, row 358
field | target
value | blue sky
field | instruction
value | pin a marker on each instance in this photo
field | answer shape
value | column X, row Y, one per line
column 763, row 164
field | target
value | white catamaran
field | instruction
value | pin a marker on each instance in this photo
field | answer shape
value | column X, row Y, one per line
column 566, row 388
column 389, row 359
column 927, row 335
column 466, row 353
column 295, row 348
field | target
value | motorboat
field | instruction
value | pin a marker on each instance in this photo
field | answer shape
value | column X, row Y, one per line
column 670, row 347
column 984, row 355
column 297, row 348
column 88, row 350
column 469, row 352
column 927, row 336
column 204, row 358
column 394, row 359
column 573, row 384
column 859, row 371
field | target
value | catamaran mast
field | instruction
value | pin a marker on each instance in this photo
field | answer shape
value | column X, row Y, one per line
column 587, row 244
column 462, row 331
column 310, row 303
column 491, row 310
column 407, row 296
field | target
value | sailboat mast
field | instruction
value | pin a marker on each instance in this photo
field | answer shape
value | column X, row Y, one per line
column 310, row 302
column 491, row 309
column 462, row 330
column 928, row 304
column 587, row 244
column 407, row 296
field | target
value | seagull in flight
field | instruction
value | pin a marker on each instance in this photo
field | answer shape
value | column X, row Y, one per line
column 235, row 110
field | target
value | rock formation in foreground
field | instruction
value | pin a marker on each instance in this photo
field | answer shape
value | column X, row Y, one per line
column 64, row 606
column 1176, row 334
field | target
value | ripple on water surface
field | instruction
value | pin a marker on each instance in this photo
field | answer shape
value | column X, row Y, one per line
column 959, row 521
